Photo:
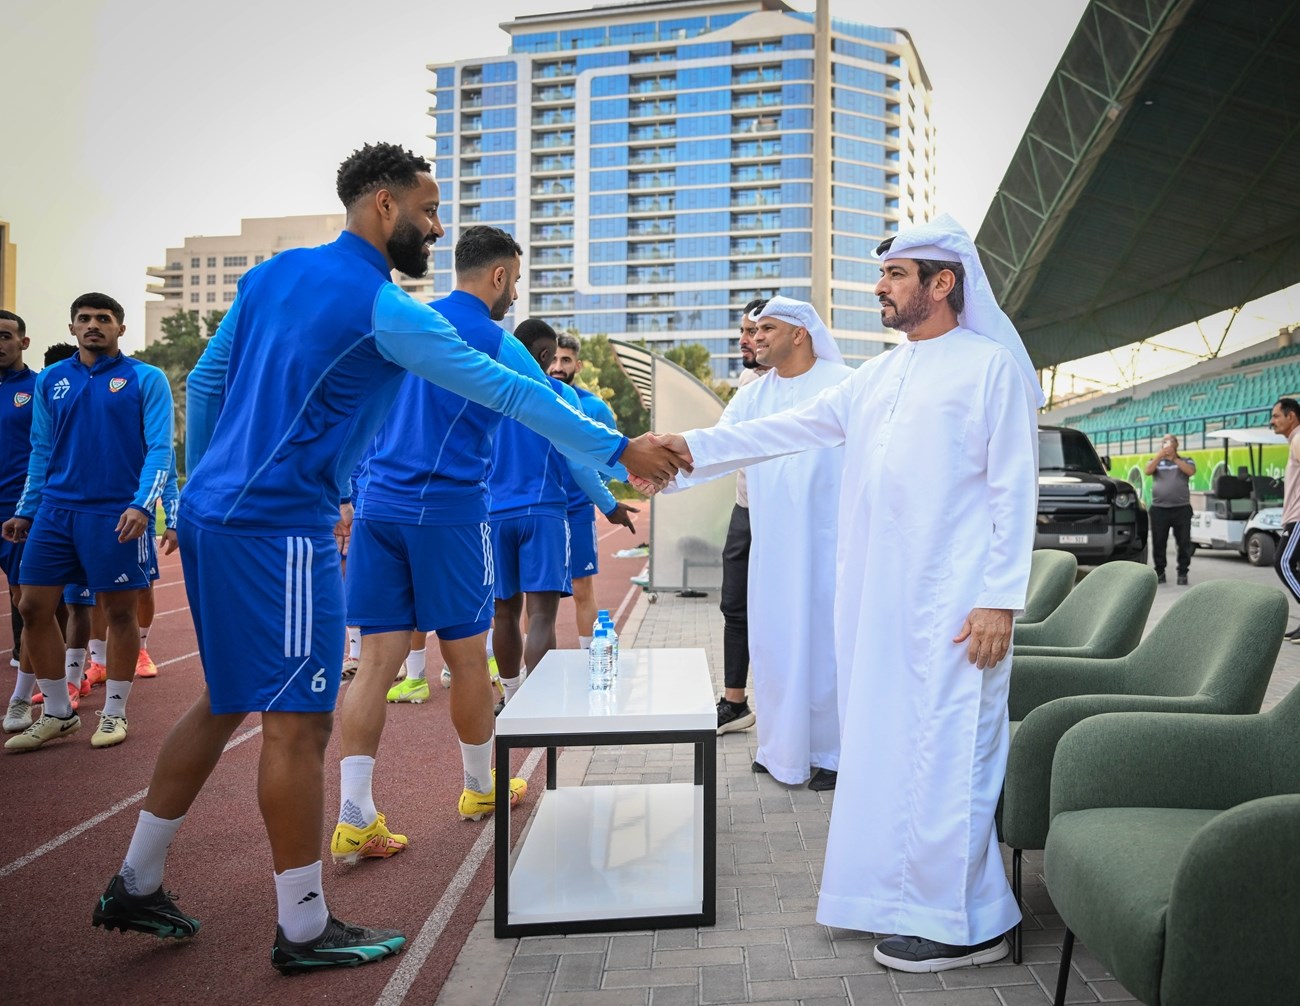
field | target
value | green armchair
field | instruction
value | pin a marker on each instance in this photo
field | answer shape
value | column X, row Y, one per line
column 1213, row 652
column 1174, row 853
column 1102, row 617
column 1051, row 577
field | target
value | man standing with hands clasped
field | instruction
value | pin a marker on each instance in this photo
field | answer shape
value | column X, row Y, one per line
column 1171, row 506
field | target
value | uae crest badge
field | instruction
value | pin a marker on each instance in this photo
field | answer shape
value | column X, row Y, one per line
column 117, row 384
column 21, row 398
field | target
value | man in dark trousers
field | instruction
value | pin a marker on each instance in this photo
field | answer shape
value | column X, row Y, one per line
column 1171, row 506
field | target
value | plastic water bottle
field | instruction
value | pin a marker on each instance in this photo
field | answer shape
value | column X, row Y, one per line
column 598, row 660
column 608, row 624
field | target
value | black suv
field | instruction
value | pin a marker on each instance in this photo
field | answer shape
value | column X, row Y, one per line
column 1081, row 509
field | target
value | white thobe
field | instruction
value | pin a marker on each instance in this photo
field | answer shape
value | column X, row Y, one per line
column 792, row 516
column 936, row 517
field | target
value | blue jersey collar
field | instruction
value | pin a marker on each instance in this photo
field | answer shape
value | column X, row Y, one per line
column 15, row 375
column 360, row 247
column 101, row 362
column 470, row 302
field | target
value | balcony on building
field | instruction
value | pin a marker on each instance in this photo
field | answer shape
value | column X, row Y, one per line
column 753, row 149
column 755, row 197
column 651, row 107
column 756, row 173
column 756, row 99
column 548, row 163
column 652, row 55
column 750, row 271
column 651, row 226
column 651, row 179
column 553, row 117
column 471, row 169
column 755, row 76
column 471, row 123
column 638, row 251
column 652, row 85
column 552, row 232
column 553, row 94
column 552, row 256
column 754, row 123
column 553, row 187
column 552, row 70
column 652, row 155
column 755, row 246
column 664, row 321
column 471, row 99
column 471, row 75
column 559, row 209
column 637, row 275
column 471, row 145
column 553, row 141
column 649, row 132
column 650, row 300
column 552, row 278
column 750, row 48
column 471, row 192
column 652, row 204
column 746, row 222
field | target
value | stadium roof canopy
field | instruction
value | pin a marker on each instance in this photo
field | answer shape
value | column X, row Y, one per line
column 1158, row 181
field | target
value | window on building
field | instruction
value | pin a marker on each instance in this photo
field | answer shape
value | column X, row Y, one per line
column 212, row 278
column 258, row 259
column 231, row 277
column 194, row 279
column 212, row 297
column 228, row 296
column 194, row 263
column 234, row 260
column 212, row 261
column 194, row 297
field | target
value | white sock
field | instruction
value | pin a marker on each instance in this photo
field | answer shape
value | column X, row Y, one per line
column 477, row 761
column 57, row 702
column 144, row 635
column 415, row 664
column 74, row 665
column 142, row 870
column 356, row 801
column 490, row 652
column 510, row 686
column 115, row 695
column 584, row 642
column 24, row 687
column 354, row 643
column 303, row 915
column 98, row 651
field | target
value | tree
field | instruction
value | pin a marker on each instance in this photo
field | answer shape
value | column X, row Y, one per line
column 175, row 354
column 602, row 375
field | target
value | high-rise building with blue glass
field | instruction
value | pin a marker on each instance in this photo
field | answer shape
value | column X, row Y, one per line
column 664, row 162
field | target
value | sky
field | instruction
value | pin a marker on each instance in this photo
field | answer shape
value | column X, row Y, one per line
column 128, row 125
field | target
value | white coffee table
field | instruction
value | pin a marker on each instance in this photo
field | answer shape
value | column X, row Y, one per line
column 609, row 858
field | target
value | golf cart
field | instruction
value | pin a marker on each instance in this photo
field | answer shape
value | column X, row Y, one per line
column 1242, row 512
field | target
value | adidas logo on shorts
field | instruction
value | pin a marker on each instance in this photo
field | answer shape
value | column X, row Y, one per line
column 589, row 565
column 122, row 579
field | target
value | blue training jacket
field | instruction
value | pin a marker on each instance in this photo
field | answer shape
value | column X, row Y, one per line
column 101, row 437
column 529, row 476
column 16, row 410
column 301, row 374
column 579, row 502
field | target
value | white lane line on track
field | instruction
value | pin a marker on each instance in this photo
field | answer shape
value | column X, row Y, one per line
column 418, row 951
column 117, row 808
column 632, row 592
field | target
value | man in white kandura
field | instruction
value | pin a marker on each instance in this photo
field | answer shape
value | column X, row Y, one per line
column 936, row 526
column 792, row 509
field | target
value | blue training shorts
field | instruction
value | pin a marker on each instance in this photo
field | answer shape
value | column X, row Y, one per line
column 582, row 548
column 11, row 556
column 68, row 546
column 268, row 613
column 531, row 554
column 432, row 578
column 76, row 594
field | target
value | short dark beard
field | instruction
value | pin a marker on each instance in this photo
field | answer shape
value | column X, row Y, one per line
column 913, row 313
column 748, row 363
column 406, row 249
column 501, row 307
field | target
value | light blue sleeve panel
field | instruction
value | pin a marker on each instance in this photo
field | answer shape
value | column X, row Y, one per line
column 159, row 430
column 38, row 462
column 588, row 481
column 171, row 498
column 417, row 338
column 598, row 409
column 205, row 386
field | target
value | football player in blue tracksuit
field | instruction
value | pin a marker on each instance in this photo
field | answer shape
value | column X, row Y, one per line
column 583, row 560
column 17, row 382
column 421, row 555
column 290, row 390
column 90, row 523
column 530, row 528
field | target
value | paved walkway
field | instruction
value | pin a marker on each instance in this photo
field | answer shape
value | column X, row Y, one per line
column 767, row 946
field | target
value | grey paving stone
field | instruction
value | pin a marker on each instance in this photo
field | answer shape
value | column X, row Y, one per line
column 987, row 977
column 785, row 841
column 746, row 879
column 905, row 982
column 826, row 1001
column 742, row 938
column 579, row 971
column 698, row 958
column 675, row 995
column 952, row 997
column 797, row 989
column 751, row 852
column 533, row 962
column 794, row 885
column 1091, row 969
column 598, row 997
column 1075, row 990
column 809, row 941
column 723, row 983
column 1023, row 995
column 768, row 963
column 758, row 899
column 629, row 952
column 778, row 920
column 651, row 976
column 871, row 990
column 539, row 945
column 676, row 939
column 797, row 904
column 524, row 990
column 826, row 967
column 1111, row 992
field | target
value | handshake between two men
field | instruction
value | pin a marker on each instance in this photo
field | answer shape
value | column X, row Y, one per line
column 653, row 460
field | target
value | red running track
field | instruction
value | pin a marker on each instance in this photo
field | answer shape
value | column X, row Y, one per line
column 73, row 809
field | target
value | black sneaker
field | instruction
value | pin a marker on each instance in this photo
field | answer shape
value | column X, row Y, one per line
column 915, row 954
column 1293, row 636
column 1182, row 579
column 339, row 946
column 1160, row 576
column 760, row 768
column 734, row 716
column 823, row 779
column 155, row 914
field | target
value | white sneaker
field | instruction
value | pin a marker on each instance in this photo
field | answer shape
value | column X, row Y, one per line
column 445, row 677
column 19, row 716
column 47, row 728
